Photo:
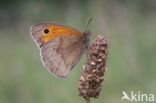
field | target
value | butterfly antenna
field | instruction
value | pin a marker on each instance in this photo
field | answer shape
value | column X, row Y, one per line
column 88, row 22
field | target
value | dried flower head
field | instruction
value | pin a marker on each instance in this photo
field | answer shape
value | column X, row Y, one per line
column 92, row 73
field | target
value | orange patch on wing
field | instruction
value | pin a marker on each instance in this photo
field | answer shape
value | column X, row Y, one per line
column 58, row 30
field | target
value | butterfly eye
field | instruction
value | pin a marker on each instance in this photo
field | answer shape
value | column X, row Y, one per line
column 46, row 31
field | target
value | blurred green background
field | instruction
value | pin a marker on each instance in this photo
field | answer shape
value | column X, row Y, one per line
column 129, row 25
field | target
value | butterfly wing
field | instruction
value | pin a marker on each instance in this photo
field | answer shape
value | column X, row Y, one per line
column 59, row 54
column 36, row 34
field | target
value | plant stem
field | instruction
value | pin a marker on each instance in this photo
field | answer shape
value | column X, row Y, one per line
column 88, row 101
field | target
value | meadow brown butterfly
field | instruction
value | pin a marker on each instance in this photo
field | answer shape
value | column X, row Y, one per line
column 61, row 47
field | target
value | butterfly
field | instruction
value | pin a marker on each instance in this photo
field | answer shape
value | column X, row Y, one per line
column 61, row 47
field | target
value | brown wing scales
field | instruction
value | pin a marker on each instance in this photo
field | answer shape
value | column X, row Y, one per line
column 60, row 54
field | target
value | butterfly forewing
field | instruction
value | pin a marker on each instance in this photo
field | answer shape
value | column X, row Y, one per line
column 36, row 34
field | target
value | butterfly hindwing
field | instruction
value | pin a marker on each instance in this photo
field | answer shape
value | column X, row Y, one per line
column 61, row 53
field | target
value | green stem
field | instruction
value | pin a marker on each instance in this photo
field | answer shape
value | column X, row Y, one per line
column 88, row 101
